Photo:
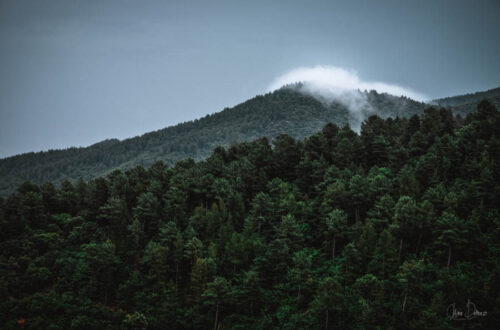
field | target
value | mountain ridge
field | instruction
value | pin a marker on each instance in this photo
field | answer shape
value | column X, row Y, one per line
column 283, row 111
column 463, row 104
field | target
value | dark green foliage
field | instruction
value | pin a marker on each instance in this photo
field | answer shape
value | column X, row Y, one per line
column 464, row 104
column 283, row 111
column 382, row 230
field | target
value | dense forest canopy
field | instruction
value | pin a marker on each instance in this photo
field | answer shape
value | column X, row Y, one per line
column 284, row 111
column 382, row 229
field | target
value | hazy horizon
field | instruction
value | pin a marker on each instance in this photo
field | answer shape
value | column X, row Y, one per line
column 76, row 73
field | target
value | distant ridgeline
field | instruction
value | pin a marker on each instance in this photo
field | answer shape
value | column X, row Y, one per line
column 396, row 227
column 464, row 104
column 284, row 111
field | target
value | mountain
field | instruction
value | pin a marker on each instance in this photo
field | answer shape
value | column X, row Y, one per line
column 463, row 104
column 388, row 229
column 283, row 111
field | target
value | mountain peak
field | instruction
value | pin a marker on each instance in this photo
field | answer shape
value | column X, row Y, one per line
column 290, row 109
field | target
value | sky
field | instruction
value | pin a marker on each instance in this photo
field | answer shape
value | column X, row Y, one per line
column 73, row 73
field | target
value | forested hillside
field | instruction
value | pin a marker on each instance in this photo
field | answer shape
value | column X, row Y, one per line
column 284, row 111
column 382, row 230
column 464, row 104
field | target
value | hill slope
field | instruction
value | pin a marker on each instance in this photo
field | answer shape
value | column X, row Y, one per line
column 283, row 111
column 463, row 104
column 381, row 230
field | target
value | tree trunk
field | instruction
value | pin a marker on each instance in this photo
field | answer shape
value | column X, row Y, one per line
column 298, row 294
column 400, row 250
column 176, row 277
column 357, row 214
column 216, row 316
column 449, row 257
column 383, row 267
column 404, row 301
column 326, row 322
column 418, row 242
column 333, row 248
column 91, row 285
column 260, row 220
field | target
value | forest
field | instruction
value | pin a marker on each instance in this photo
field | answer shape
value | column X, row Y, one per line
column 285, row 111
column 394, row 227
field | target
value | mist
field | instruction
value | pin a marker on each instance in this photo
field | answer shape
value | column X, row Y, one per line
column 333, row 84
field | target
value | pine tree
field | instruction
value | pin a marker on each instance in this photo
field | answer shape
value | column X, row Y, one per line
column 336, row 226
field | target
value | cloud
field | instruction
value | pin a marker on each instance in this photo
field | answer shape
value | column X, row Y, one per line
column 330, row 80
column 333, row 84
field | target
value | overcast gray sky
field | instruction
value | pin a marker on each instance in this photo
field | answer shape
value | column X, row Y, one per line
column 73, row 73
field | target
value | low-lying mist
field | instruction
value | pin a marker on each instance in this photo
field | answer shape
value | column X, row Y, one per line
column 332, row 84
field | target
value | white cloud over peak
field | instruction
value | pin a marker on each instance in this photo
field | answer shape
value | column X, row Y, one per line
column 331, row 81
